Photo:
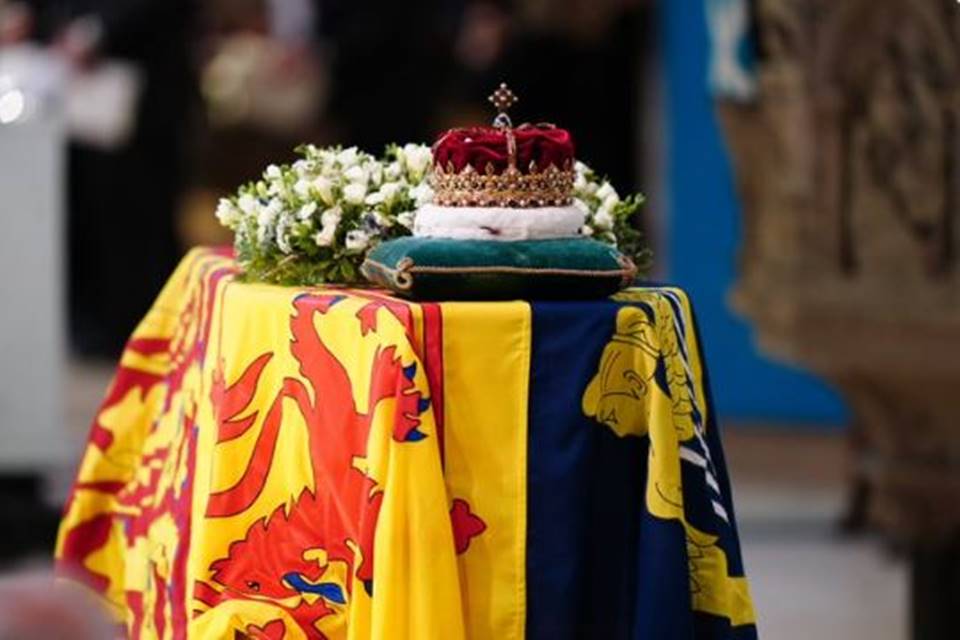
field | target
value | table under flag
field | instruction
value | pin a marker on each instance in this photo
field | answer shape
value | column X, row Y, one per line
column 303, row 463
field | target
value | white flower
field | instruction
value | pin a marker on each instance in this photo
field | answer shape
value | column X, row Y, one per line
column 324, row 237
column 374, row 171
column 331, row 217
column 586, row 230
column 422, row 194
column 242, row 235
column 324, row 187
column 301, row 167
column 579, row 167
column 611, row 201
column 606, row 191
column 273, row 172
column 602, row 219
column 381, row 221
column 582, row 206
column 393, row 171
column 248, row 204
column 354, row 193
column 283, row 235
column 357, row 240
column 263, row 234
column 579, row 182
column 406, row 219
column 388, row 192
column 302, row 187
column 348, row 157
column 417, row 159
column 266, row 219
column 228, row 215
column 269, row 213
column 306, row 211
column 357, row 174
column 325, row 156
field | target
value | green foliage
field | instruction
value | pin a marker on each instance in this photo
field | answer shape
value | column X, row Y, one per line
column 312, row 222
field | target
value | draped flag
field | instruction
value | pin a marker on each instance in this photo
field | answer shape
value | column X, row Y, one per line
column 283, row 464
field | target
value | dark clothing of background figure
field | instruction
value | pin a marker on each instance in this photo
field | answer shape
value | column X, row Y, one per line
column 391, row 63
column 590, row 88
column 122, row 244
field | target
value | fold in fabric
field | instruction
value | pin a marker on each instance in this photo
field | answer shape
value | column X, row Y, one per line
column 266, row 465
column 280, row 463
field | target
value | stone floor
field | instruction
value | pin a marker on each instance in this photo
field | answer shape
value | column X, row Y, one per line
column 808, row 581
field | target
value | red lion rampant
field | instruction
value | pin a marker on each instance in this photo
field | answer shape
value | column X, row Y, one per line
column 304, row 560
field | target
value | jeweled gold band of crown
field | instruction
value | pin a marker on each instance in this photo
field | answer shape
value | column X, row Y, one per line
column 469, row 188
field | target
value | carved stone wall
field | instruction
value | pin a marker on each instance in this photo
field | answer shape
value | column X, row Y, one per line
column 849, row 172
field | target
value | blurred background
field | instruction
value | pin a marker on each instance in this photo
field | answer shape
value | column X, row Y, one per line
column 800, row 162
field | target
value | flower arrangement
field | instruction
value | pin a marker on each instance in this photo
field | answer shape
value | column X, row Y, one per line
column 610, row 218
column 313, row 221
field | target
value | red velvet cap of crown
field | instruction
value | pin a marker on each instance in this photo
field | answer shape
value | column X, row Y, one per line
column 543, row 145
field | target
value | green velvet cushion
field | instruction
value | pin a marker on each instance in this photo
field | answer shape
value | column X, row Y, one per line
column 440, row 269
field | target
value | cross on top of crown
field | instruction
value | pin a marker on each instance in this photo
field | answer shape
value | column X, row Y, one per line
column 503, row 98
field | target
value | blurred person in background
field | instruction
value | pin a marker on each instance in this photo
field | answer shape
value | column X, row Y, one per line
column 391, row 66
column 276, row 73
column 405, row 71
column 579, row 63
column 264, row 85
column 121, row 196
column 369, row 72
column 576, row 62
column 33, row 606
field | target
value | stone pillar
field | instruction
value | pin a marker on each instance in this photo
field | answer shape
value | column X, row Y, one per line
column 848, row 168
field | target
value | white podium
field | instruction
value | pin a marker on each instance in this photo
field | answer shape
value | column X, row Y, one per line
column 33, row 438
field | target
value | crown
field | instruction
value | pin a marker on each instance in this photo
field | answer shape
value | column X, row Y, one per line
column 503, row 166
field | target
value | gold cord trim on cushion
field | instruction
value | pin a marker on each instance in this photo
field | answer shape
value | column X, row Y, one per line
column 403, row 274
column 629, row 270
